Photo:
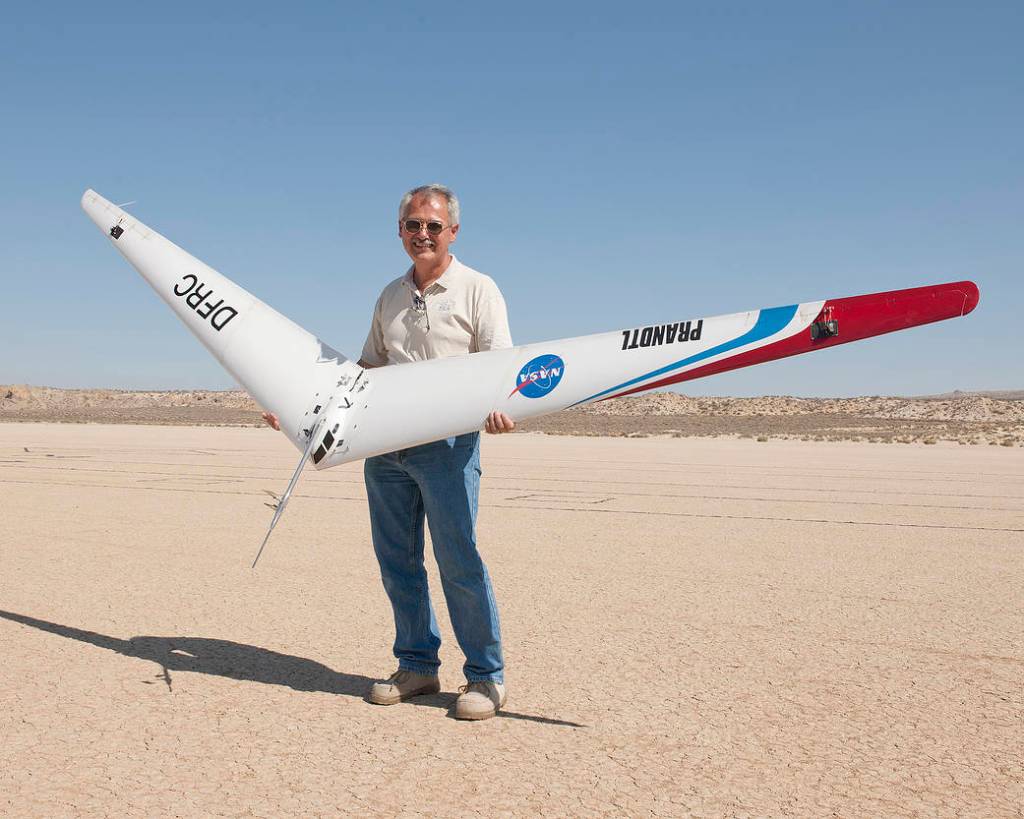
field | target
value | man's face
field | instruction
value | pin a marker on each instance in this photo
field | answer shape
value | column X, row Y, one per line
column 424, row 246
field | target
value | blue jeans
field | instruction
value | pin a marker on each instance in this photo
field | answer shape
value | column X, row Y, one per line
column 442, row 481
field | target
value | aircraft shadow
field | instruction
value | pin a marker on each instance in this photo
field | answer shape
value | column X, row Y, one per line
column 238, row 661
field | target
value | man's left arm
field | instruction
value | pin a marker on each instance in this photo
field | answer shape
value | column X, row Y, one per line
column 493, row 334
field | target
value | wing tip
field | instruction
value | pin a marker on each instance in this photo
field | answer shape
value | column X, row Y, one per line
column 88, row 198
column 972, row 295
column 102, row 212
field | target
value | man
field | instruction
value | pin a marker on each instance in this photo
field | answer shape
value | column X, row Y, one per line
column 438, row 308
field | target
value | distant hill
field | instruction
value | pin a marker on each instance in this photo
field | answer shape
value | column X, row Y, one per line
column 1002, row 395
column 995, row 417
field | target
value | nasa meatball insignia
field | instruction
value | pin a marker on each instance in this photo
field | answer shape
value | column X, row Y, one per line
column 539, row 376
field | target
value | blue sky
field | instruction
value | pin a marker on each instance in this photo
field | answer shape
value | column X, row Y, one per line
column 618, row 165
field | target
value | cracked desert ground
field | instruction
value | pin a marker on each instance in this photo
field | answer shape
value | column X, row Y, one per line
column 692, row 627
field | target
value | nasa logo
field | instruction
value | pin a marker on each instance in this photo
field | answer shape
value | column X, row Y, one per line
column 539, row 376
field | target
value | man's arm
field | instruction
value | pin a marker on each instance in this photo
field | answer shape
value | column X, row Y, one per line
column 492, row 331
column 493, row 334
column 375, row 353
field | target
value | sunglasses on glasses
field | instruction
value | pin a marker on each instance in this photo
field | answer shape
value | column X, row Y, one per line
column 433, row 227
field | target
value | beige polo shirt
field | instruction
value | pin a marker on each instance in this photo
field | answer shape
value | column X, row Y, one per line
column 462, row 312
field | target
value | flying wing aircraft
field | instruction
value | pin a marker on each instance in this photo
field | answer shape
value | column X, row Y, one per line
column 335, row 411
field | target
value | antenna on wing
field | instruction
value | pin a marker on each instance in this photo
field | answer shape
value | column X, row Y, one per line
column 279, row 509
column 126, row 204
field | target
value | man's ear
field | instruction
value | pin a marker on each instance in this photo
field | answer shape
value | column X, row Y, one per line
column 455, row 231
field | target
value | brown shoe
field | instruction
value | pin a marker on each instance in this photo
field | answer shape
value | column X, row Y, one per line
column 479, row 700
column 403, row 685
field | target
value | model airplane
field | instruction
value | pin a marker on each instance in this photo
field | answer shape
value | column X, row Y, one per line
column 335, row 411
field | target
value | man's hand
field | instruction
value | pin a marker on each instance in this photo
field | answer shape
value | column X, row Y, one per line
column 498, row 422
column 272, row 421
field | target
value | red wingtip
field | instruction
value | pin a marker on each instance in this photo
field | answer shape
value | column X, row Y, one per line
column 971, row 296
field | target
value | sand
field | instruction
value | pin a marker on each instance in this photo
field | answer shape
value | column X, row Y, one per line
column 692, row 626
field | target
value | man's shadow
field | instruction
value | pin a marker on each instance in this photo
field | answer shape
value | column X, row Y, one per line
column 238, row 661
column 220, row 657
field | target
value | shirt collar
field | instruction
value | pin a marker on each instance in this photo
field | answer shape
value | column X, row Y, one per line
column 444, row 281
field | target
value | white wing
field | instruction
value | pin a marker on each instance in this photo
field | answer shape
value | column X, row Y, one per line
column 288, row 370
column 409, row 404
column 363, row 413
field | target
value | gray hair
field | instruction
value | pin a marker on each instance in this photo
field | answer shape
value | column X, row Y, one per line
column 441, row 191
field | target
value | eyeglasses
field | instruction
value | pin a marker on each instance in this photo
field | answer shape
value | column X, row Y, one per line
column 433, row 227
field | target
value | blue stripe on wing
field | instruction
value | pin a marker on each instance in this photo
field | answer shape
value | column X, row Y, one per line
column 769, row 322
